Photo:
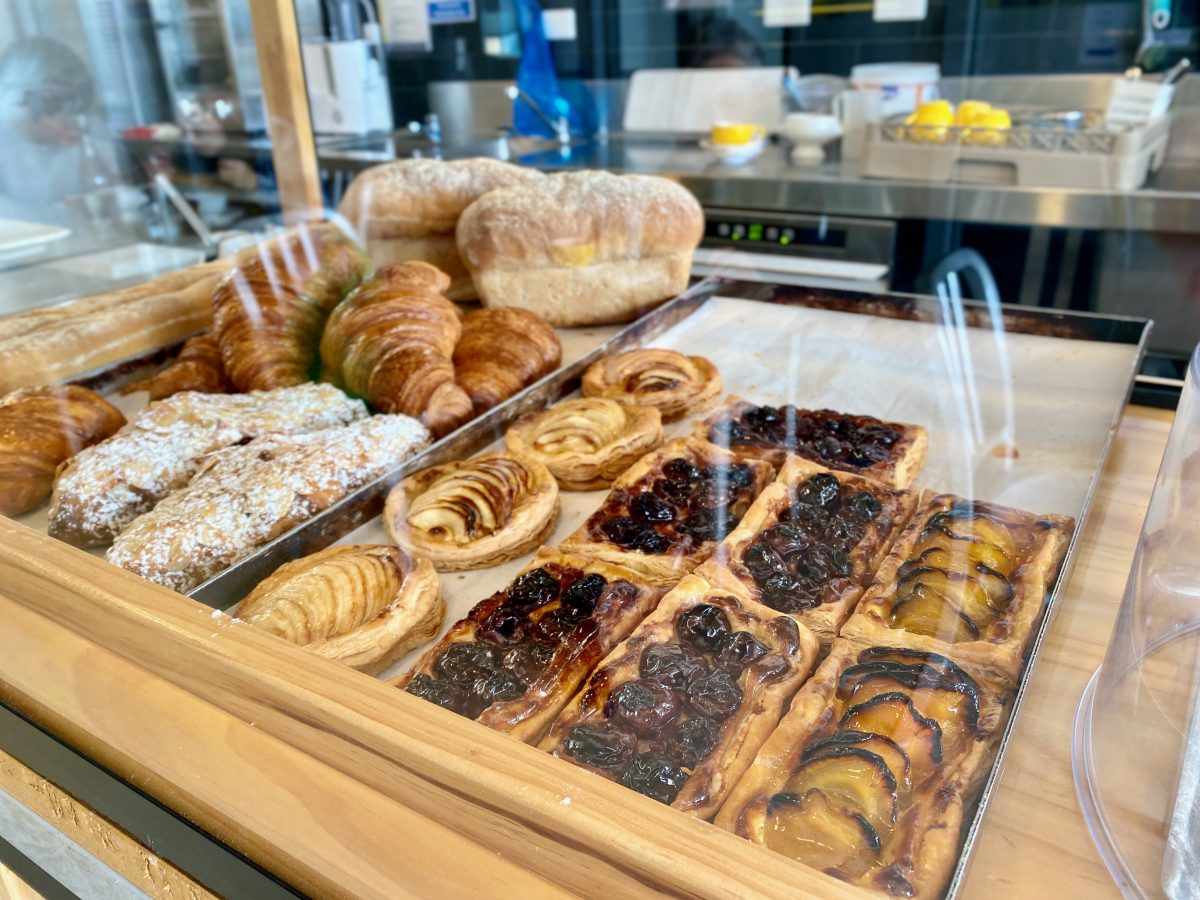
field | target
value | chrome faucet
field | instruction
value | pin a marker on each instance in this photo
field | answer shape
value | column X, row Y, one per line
column 560, row 126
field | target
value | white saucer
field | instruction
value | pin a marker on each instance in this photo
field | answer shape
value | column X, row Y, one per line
column 734, row 154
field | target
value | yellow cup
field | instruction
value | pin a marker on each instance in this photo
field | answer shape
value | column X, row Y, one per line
column 734, row 134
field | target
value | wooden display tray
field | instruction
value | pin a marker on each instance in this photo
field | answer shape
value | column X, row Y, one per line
column 339, row 784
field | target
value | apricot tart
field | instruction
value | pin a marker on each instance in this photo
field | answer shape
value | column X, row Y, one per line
column 586, row 443
column 890, row 452
column 474, row 513
column 867, row 775
column 678, row 710
column 670, row 382
column 668, row 512
column 966, row 576
column 515, row 660
column 810, row 543
column 363, row 605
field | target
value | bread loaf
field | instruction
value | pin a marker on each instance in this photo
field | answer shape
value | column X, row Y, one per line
column 408, row 210
column 582, row 248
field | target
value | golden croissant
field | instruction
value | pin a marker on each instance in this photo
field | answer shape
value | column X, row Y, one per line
column 390, row 342
column 40, row 428
column 363, row 605
column 501, row 351
column 269, row 311
column 198, row 368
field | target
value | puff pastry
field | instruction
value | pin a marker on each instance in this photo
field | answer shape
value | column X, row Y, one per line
column 966, row 579
column 586, row 443
column 672, row 507
column 678, row 710
column 517, row 658
column 867, row 775
column 40, row 428
column 890, row 452
column 810, row 543
column 107, row 486
column 474, row 513
column 672, row 383
column 501, row 352
column 362, row 605
column 244, row 497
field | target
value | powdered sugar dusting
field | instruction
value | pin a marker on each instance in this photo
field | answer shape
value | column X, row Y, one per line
column 107, row 486
column 244, row 497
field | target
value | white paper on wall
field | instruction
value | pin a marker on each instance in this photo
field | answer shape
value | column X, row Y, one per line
column 901, row 10
column 787, row 13
column 406, row 22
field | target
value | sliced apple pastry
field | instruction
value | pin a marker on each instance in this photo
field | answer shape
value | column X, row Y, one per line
column 677, row 711
column 518, row 657
column 587, row 442
column 672, row 383
column 362, row 605
column 810, row 543
column 966, row 575
column 867, row 775
column 474, row 513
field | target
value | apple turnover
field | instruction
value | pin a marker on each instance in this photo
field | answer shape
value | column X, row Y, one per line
column 678, row 710
column 968, row 578
column 867, row 775
column 588, row 442
column 672, row 383
column 474, row 513
column 362, row 605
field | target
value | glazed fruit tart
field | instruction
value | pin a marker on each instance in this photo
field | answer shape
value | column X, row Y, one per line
column 890, row 452
column 967, row 579
column 677, row 711
column 666, row 380
column 516, row 659
column 670, row 509
column 867, row 776
column 810, row 543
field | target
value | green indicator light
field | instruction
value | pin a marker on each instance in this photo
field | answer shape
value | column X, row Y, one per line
column 736, row 236
column 785, row 240
column 756, row 232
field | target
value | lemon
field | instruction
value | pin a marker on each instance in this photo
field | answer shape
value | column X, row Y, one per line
column 987, row 128
column 929, row 124
column 968, row 110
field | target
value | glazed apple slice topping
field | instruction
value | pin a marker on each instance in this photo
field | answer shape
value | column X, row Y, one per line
column 853, row 778
column 676, row 510
column 815, row 830
column 836, row 439
column 674, row 713
column 793, row 561
column 956, row 581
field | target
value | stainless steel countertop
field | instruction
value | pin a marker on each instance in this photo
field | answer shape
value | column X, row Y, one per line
column 1169, row 203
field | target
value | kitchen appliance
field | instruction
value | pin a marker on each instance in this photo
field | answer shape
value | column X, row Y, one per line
column 347, row 86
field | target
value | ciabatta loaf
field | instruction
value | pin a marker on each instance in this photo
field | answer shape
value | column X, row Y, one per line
column 582, row 248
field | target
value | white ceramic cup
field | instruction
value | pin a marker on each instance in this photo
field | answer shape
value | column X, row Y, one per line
column 857, row 111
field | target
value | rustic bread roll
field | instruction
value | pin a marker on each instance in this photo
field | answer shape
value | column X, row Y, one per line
column 408, row 210
column 582, row 248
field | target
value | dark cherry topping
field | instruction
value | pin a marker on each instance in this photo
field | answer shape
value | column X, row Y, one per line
column 689, row 742
column 671, row 665
column 462, row 663
column 583, row 594
column 646, row 707
column 703, row 626
column 833, row 438
column 740, row 649
column 496, row 687
column 715, row 695
column 792, row 560
column 527, row 661
column 651, row 508
column 655, row 776
column 443, row 693
column 604, row 745
column 504, row 626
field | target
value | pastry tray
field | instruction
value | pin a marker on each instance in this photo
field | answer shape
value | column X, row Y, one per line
column 1020, row 413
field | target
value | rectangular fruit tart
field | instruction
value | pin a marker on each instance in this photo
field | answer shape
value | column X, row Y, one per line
column 516, row 659
column 677, row 711
column 867, row 776
column 810, row 543
column 967, row 579
column 671, row 508
column 891, row 452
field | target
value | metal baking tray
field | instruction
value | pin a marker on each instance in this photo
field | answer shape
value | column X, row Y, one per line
column 1050, row 385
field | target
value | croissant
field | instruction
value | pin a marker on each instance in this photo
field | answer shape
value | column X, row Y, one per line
column 501, row 351
column 363, row 605
column 268, row 312
column 390, row 342
column 198, row 368
column 40, row 428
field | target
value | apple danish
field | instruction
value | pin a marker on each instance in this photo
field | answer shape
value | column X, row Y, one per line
column 391, row 342
column 269, row 311
column 672, row 383
column 474, row 513
column 502, row 351
column 587, row 443
column 362, row 605
column 40, row 429
column 198, row 368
